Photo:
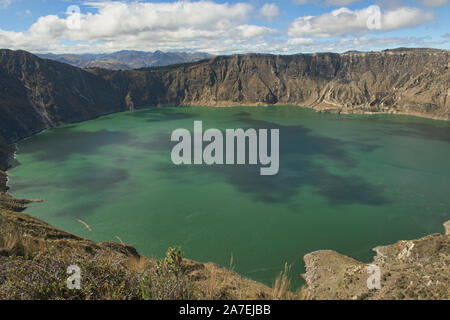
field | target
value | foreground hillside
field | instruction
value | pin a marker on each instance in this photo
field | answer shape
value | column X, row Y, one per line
column 34, row 257
column 36, row 94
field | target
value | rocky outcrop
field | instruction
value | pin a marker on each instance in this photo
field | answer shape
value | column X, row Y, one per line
column 413, row 269
column 400, row 81
column 5, row 153
column 36, row 94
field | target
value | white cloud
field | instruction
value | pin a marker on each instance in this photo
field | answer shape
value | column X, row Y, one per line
column 249, row 31
column 270, row 11
column 218, row 28
column 146, row 19
column 433, row 3
column 299, row 41
column 183, row 25
column 344, row 21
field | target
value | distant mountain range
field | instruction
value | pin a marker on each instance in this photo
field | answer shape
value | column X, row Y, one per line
column 127, row 60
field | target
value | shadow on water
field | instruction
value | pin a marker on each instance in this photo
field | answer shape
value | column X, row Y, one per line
column 420, row 130
column 425, row 129
column 299, row 151
column 68, row 142
column 97, row 182
column 161, row 115
column 301, row 155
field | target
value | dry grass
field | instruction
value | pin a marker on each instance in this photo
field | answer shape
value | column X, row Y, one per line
column 15, row 242
column 304, row 294
column 88, row 227
column 31, row 249
column 281, row 289
column 11, row 240
column 138, row 264
column 211, row 285
column 9, row 203
column 219, row 283
column 120, row 240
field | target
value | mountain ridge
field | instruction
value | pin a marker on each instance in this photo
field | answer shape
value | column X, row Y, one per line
column 126, row 59
column 36, row 94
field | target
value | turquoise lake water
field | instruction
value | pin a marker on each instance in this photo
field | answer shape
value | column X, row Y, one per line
column 346, row 183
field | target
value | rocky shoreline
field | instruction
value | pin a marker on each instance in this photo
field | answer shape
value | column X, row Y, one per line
column 409, row 269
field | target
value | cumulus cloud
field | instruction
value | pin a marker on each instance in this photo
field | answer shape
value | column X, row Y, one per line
column 178, row 19
column 182, row 25
column 218, row 28
column 344, row 21
column 250, row 31
column 270, row 11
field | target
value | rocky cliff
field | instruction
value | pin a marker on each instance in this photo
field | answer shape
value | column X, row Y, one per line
column 400, row 81
column 36, row 94
column 413, row 269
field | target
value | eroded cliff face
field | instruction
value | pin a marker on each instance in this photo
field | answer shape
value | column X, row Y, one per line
column 400, row 81
column 413, row 269
column 36, row 94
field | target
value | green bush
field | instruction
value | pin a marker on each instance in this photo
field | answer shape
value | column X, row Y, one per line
column 167, row 280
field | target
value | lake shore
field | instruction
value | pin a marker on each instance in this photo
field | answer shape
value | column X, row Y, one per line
column 416, row 269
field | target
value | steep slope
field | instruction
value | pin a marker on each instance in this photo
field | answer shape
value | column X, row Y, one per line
column 403, row 81
column 413, row 269
column 36, row 94
column 34, row 257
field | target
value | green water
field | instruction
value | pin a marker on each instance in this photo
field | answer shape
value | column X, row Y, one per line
column 347, row 183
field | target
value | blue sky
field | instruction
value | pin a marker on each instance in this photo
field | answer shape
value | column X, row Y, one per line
column 223, row 27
